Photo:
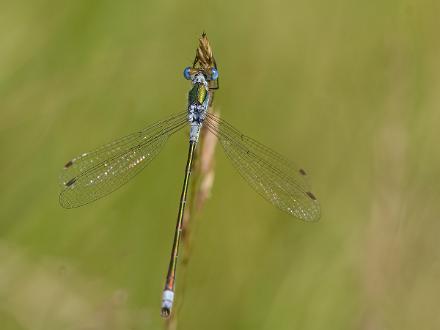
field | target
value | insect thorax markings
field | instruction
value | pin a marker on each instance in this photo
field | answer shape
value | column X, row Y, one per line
column 198, row 101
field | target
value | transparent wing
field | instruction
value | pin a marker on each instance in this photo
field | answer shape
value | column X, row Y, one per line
column 275, row 178
column 95, row 174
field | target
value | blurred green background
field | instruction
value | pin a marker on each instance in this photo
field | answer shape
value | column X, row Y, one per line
column 347, row 89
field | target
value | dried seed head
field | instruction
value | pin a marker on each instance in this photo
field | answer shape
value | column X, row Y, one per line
column 204, row 53
column 204, row 59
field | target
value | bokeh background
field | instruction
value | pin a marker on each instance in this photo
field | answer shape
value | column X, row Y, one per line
column 347, row 89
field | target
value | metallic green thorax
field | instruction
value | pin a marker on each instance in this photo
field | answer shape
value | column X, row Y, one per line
column 197, row 94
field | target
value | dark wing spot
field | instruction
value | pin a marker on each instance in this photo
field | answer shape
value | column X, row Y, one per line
column 70, row 182
column 68, row 164
column 302, row 172
column 311, row 195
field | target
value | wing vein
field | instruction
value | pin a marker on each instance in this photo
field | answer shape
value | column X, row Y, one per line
column 270, row 174
column 94, row 175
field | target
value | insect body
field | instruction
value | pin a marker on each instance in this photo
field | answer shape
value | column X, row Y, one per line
column 95, row 174
column 198, row 103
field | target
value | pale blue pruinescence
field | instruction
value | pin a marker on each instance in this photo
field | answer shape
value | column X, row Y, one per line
column 198, row 102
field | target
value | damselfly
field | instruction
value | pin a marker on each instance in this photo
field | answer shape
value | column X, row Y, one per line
column 95, row 174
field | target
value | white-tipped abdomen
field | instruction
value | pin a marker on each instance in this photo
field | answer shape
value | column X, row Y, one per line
column 167, row 302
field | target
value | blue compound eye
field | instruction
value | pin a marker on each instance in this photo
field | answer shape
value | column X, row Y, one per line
column 214, row 74
column 187, row 73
